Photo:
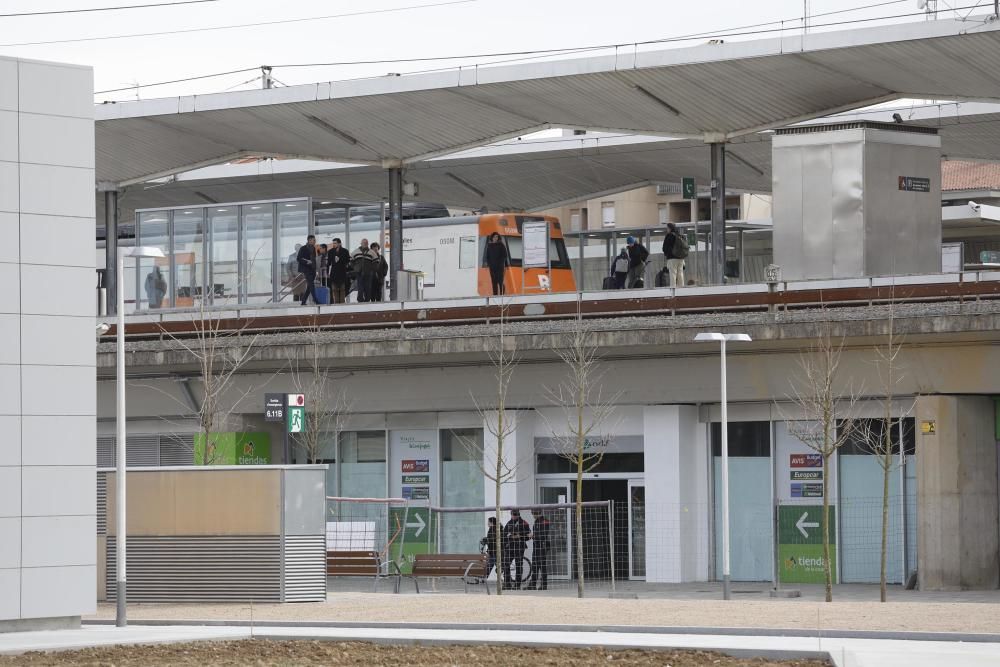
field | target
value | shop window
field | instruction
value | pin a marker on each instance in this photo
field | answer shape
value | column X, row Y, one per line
column 362, row 464
column 858, row 440
column 746, row 439
column 549, row 464
column 462, row 485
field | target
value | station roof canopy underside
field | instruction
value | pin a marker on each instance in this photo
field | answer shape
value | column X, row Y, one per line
column 711, row 92
column 538, row 174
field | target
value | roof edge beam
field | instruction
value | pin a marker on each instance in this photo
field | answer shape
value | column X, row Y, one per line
column 173, row 171
column 852, row 106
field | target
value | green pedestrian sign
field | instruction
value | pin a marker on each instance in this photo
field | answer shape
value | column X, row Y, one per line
column 296, row 419
column 414, row 530
column 800, row 544
column 687, row 187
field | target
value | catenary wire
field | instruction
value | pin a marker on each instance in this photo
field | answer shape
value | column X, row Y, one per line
column 258, row 24
column 53, row 12
column 541, row 53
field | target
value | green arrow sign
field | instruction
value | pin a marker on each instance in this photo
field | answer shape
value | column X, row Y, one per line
column 803, row 524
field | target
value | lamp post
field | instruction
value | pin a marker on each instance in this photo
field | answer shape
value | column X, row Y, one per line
column 722, row 339
column 138, row 252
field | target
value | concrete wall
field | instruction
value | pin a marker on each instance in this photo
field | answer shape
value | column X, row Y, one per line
column 47, row 358
column 957, row 494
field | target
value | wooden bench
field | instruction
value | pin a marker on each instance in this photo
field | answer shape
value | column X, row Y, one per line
column 470, row 568
column 360, row 564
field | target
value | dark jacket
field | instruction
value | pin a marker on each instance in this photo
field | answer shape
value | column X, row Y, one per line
column 668, row 245
column 338, row 260
column 496, row 255
column 540, row 534
column 307, row 259
column 637, row 254
column 363, row 263
column 381, row 267
column 491, row 540
column 516, row 533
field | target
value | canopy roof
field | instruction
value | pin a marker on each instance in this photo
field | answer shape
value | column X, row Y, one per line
column 707, row 93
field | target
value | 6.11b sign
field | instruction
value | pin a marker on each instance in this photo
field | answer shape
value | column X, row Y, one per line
column 274, row 407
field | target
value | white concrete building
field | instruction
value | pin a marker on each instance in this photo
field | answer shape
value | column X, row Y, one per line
column 47, row 362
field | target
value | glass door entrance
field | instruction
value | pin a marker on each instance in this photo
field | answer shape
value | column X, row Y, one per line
column 637, row 529
column 553, row 492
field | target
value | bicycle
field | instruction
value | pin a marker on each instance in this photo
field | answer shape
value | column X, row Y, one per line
column 498, row 565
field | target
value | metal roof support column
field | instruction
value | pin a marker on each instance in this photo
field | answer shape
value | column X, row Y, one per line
column 717, row 257
column 111, row 249
column 395, row 229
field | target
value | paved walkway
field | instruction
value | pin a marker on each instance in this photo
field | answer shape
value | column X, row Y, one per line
column 844, row 652
column 940, row 613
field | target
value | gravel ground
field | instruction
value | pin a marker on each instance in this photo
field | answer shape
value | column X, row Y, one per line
column 445, row 608
column 263, row 652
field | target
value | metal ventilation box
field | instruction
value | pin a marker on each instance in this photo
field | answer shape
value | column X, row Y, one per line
column 856, row 199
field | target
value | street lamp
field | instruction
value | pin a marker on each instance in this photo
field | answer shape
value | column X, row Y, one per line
column 138, row 252
column 722, row 339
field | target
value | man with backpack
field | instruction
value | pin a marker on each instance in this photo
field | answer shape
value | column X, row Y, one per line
column 675, row 250
column 637, row 256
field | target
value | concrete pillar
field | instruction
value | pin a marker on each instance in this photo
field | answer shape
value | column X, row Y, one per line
column 957, row 531
column 48, row 545
column 676, row 465
column 717, row 257
column 518, row 451
column 395, row 229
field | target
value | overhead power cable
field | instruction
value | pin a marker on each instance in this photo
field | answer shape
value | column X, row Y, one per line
column 105, row 9
column 750, row 29
column 184, row 31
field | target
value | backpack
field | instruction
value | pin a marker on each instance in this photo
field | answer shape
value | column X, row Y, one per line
column 621, row 265
column 681, row 247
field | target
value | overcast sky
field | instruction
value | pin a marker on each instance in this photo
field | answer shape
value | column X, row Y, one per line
column 469, row 27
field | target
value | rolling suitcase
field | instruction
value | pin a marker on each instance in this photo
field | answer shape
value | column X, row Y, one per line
column 322, row 295
column 609, row 283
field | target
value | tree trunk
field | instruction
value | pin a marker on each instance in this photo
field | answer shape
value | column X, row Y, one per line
column 498, row 480
column 886, row 467
column 827, row 566
column 579, row 520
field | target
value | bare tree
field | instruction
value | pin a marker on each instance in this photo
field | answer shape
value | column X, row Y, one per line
column 494, row 461
column 884, row 437
column 329, row 406
column 583, row 436
column 825, row 419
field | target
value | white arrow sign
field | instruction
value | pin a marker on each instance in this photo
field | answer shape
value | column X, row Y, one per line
column 802, row 524
column 420, row 524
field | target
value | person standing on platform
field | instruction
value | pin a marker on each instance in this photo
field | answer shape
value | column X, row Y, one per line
column 675, row 251
column 363, row 265
column 381, row 271
column 497, row 260
column 338, row 260
column 307, row 267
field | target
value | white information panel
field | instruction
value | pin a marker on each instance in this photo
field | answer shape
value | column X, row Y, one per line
column 535, row 237
column 413, row 465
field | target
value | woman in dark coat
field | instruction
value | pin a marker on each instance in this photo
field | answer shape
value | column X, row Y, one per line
column 497, row 261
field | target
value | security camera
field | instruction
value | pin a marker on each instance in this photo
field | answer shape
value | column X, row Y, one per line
column 974, row 206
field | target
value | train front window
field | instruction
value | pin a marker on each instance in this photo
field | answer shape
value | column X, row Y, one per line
column 558, row 257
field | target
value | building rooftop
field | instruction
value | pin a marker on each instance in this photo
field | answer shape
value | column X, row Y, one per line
column 958, row 175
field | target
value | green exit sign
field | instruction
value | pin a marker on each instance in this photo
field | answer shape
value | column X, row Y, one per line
column 687, row 187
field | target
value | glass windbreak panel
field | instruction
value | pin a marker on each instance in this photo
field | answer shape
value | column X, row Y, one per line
column 189, row 257
column 293, row 228
column 364, row 229
column 224, row 275
column 331, row 223
column 363, row 465
column 258, row 252
column 154, row 273
column 462, row 485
